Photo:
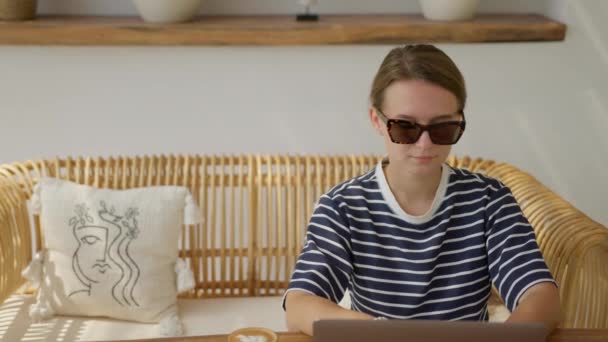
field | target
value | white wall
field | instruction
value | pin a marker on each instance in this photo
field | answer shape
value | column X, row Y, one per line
column 540, row 106
column 125, row 7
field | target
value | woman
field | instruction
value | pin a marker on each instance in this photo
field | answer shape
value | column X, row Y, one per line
column 415, row 238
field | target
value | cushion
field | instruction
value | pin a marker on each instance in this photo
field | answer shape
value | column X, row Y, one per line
column 110, row 253
column 199, row 316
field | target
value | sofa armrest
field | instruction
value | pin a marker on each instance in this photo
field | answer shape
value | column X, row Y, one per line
column 15, row 232
column 574, row 246
column 584, row 277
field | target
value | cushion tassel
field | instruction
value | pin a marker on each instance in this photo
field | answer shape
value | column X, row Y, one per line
column 40, row 311
column 33, row 272
column 192, row 213
column 170, row 326
column 35, row 203
column 185, row 277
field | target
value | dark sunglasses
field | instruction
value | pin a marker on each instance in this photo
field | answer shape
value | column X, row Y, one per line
column 408, row 132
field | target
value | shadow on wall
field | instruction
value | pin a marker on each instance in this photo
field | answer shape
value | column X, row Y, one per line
column 589, row 22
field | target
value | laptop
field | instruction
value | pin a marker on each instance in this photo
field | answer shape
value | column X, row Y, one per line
column 425, row 331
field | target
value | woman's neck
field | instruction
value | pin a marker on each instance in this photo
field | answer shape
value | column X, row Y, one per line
column 411, row 190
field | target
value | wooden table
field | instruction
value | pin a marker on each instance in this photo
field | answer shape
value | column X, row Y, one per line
column 559, row 335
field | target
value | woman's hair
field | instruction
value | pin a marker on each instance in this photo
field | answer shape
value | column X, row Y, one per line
column 418, row 62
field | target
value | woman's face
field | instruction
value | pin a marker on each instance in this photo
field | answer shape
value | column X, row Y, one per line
column 424, row 103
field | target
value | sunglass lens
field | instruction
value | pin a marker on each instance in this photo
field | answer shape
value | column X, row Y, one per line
column 404, row 132
column 445, row 133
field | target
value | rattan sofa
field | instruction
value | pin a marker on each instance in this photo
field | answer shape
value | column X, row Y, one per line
column 255, row 209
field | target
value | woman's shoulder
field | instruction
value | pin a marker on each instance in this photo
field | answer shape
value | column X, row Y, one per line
column 365, row 184
column 465, row 179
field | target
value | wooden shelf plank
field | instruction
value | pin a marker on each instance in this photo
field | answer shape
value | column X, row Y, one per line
column 278, row 30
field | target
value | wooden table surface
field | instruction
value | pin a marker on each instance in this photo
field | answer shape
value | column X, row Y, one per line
column 559, row 335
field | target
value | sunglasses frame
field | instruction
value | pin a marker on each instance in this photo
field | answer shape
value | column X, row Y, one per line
column 423, row 128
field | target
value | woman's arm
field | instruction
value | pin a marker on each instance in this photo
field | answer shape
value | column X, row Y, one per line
column 540, row 303
column 303, row 309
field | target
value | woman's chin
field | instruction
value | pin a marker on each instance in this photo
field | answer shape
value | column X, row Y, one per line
column 424, row 166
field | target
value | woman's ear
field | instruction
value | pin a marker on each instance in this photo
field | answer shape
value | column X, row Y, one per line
column 375, row 120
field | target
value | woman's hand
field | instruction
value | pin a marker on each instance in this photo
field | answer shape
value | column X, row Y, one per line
column 540, row 303
column 303, row 309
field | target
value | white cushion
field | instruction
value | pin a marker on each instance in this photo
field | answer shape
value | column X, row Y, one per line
column 199, row 316
column 110, row 253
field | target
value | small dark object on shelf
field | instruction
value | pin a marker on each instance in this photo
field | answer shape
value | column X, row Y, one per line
column 307, row 17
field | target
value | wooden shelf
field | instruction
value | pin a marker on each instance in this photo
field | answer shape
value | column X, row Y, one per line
column 278, row 30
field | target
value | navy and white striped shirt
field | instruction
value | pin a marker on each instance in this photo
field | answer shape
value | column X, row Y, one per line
column 437, row 266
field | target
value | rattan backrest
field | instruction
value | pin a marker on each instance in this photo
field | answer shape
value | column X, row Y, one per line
column 256, row 208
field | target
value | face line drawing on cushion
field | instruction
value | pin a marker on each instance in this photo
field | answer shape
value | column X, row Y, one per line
column 97, row 259
column 94, row 240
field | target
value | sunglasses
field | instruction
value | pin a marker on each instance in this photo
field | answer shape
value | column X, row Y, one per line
column 408, row 132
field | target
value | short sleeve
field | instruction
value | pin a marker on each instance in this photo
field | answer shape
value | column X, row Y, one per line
column 324, row 265
column 515, row 260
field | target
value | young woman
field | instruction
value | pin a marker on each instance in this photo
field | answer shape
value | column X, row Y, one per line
column 415, row 238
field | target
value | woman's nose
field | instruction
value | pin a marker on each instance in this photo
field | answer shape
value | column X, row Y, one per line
column 424, row 140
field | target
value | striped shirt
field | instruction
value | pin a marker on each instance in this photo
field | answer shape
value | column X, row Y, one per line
column 437, row 266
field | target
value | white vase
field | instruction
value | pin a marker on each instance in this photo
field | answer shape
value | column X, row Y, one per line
column 449, row 9
column 167, row 11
